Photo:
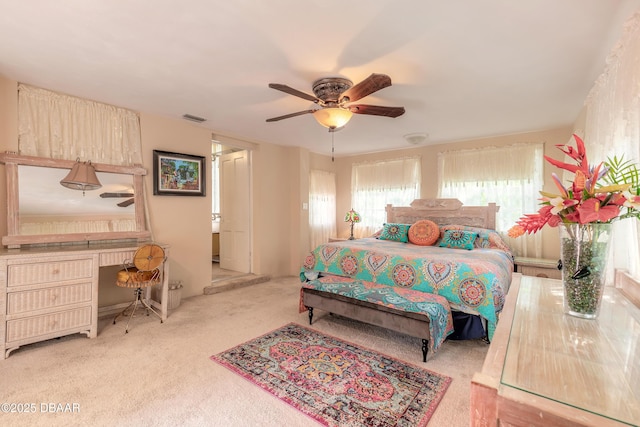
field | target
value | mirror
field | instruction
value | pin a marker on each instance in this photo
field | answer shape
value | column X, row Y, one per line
column 40, row 210
column 46, row 207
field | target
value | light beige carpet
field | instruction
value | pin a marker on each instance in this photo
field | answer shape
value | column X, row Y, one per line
column 161, row 375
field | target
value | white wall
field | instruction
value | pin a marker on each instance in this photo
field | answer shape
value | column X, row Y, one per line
column 182, row 222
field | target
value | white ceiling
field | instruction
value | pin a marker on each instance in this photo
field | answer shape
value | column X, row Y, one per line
column 462, row 69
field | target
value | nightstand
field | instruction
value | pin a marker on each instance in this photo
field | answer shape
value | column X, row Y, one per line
column 538, row 267
column 337, row 239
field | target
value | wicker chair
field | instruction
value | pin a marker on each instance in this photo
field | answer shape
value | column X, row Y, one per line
column 141, row 273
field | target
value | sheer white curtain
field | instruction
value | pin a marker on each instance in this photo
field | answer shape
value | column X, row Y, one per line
column 511, row 176
column 612, row 127
column 322, row 206
column 376, row 184
column 64, row 127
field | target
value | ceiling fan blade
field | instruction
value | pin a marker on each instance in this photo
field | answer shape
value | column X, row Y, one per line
column 371, row 84
column 286, row 116
column 294, row 92
column 376, row 110
column 126, row 203
column 108, row 195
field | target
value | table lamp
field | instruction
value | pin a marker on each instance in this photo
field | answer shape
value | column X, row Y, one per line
column 352, row 217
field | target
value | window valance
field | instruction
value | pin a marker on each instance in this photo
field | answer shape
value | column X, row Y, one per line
column 65, row 127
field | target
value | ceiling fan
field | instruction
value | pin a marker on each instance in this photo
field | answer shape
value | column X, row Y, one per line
column 335, row 94
column 122, row 204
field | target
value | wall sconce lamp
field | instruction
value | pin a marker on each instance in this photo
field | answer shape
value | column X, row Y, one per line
column 352, row 217
column 332, row 118
column 82, row 177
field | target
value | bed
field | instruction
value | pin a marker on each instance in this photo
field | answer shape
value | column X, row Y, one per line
column 474, row 280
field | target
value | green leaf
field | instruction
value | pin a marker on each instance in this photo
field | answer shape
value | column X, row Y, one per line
column 622, row 172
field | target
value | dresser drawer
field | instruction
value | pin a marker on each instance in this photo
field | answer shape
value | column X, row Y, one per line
column 34, row 326
column 116, row 258
column 43, row 298
column 32, row 273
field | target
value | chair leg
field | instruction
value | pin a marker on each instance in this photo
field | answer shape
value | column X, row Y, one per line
column 149, row 308
column 133, row 310
column 122, row 313
column 134, row 303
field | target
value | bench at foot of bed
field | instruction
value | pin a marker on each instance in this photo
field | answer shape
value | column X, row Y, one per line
column 431, row 321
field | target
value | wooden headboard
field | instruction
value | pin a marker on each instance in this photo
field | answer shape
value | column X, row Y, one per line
column 444, row 212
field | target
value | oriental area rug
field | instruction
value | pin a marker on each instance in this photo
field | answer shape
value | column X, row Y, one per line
column 335, row 382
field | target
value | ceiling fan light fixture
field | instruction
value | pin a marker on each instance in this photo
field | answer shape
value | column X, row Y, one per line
column 81, row 177
column 332, row 118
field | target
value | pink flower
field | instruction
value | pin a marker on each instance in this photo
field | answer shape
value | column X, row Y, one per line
column 585, row 200
column 591, row 210
column 578, row 154
column 531, row 223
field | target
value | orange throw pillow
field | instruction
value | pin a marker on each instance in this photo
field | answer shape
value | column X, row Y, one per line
column 424, row 233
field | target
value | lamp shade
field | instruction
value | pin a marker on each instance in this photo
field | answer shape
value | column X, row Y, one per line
column 332, row 118
column 352, row 216
column 82, row 177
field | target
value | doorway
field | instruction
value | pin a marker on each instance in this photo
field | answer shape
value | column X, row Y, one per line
column 231, row 211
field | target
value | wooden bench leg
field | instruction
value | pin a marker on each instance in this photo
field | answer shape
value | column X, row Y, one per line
column 425, row 349
column 310, row 314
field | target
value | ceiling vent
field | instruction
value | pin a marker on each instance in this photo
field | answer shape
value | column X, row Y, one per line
column 193, row 118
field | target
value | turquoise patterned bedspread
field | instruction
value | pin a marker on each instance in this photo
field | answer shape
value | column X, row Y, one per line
column 435, row 307
column 474, row 281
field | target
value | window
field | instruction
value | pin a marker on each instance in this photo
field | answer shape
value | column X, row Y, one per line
column 613, row 128
column 322, row 206
column 510, row 176
column 376, row 184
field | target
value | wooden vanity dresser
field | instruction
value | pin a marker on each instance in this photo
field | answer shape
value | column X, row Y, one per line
column 49, row 278
column 48, row 292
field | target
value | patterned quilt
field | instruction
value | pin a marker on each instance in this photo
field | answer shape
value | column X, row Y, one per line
column 473, row 281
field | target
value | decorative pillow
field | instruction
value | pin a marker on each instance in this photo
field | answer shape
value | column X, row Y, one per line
column 424, row 233
column 395, row 232
column 458, row 239
column 487, row 239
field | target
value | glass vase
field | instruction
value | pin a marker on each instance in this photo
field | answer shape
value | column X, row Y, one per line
column 584, row 250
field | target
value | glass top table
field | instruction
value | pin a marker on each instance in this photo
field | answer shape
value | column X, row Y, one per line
column 592, row 365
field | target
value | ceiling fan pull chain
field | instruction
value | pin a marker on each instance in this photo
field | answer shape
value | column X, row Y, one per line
column 332, row 149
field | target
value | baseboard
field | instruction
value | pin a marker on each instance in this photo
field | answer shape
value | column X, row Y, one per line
column 111, row 310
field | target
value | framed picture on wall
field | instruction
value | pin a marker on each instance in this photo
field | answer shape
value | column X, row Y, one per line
column 176, row 174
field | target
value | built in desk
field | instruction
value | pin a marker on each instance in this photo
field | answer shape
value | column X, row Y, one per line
column 52, row 291
column 545, row 368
